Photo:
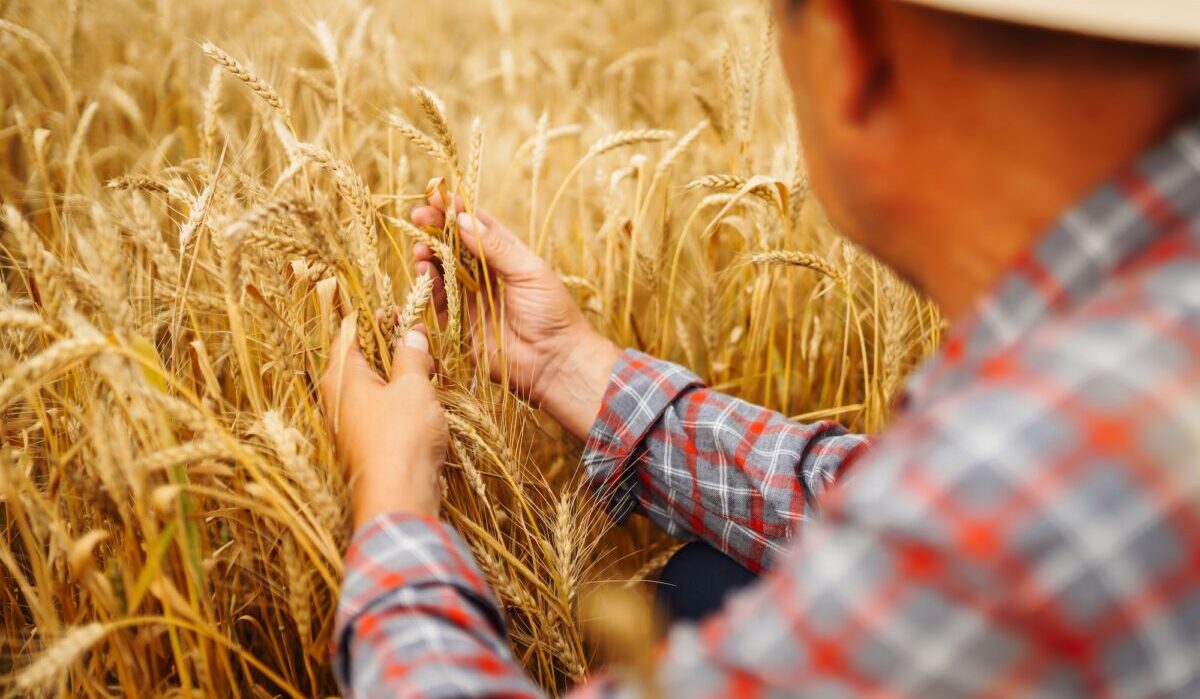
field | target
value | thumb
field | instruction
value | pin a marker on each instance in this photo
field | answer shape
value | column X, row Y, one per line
column 503, row 252
column 411, row 355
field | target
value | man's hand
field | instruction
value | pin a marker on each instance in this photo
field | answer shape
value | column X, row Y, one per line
column 391, row 435
column 552, row 354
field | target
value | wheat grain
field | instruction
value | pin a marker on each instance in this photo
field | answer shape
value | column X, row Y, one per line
column 299, row 591
column 15, row 318
column 422, row 141
column 41, row 262
column 681, row 146
column 474, row 163
column 186, row 453
column 622, row 139
column 896, row 333
column 435, row 112
column 414, row 305
column 36, row 678
column 75, row 147
column 256, row 84
column 797, row 258
column 354, row 191
column 212, row 106
column 287, row 444
column 450, row 280
column 327, row 93
column 145, row 184
column 764, row 190
column 328, row 43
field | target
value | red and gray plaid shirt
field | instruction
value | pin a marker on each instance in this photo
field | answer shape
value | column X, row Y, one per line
column 1029, row 525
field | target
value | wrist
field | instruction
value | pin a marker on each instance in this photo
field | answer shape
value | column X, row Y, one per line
column 370, row 507
column 575, row 379
column 390, row 488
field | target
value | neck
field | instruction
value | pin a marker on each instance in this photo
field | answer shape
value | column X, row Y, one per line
column 1016, row 153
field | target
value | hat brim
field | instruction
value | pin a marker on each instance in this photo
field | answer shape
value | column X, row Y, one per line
column 1171, row 22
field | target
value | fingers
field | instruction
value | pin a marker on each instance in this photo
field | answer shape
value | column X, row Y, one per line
column 503, row 252
column 429, row 216
column 436, row 203
column 411, row 355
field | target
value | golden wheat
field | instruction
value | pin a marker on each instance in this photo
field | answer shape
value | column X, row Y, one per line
column 174, row 264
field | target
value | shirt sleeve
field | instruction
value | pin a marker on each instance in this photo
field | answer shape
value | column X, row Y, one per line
column 893, row 592
column 702, row 464
column 416, row 619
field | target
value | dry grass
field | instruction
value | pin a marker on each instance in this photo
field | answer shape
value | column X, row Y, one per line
column 182, row 234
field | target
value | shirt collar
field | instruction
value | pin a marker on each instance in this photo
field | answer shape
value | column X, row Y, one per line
column 1158, row 195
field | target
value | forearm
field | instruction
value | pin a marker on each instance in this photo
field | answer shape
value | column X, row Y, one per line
column 416, row 618
column 707, row 465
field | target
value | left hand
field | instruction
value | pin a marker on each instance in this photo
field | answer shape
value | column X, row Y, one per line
column 391, row 435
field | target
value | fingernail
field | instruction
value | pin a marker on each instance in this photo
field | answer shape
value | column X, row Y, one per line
column 466, row 223
column 416, row 340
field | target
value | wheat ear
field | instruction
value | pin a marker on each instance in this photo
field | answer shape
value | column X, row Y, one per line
column 40, row 261
column 259, row 86
column 796, row 258
column 18, row 319
column 434, row 111
column 681, row 147
column 421, row 140
column 37, row 677
column 611, row 142
column 414, row 305
column 621, row 139
column 212, row 106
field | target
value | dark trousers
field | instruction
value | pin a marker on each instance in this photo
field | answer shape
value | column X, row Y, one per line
column 696, row 581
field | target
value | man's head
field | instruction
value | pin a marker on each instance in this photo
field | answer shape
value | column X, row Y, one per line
column 935, row 137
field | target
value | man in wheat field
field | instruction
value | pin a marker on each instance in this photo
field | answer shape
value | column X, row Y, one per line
column 1030, row 523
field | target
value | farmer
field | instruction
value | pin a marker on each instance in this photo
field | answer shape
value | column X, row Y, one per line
column 1030, row 523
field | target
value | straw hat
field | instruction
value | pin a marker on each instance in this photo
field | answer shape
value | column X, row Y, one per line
column 1147, row 21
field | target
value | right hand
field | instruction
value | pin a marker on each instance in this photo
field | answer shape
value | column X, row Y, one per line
column 549, row 353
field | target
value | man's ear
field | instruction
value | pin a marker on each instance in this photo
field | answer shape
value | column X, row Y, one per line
column 862, row 65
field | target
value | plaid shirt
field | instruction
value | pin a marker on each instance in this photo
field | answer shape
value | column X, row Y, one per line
column 1029, row 525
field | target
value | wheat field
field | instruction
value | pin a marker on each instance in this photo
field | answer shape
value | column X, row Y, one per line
column 196, row 193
